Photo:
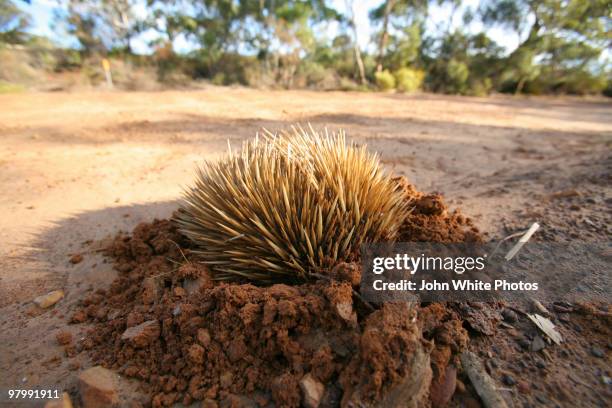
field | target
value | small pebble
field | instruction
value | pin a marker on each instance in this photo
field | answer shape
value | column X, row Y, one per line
column 509, row 316
column 76, row 258
column 597, row 352
column 523, row 387
column 508, row 380
column 524, row 343
column 537, row 344
column 48, row 300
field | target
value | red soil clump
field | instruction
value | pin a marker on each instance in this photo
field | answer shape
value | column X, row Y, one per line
column 163, row 321
column 431, row 221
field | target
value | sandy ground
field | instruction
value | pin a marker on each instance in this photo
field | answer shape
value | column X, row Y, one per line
column 78, row 167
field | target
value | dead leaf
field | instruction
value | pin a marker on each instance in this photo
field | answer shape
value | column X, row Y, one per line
column 547, row 327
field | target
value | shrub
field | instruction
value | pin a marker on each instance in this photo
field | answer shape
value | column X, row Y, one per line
column 17, row 66
column 480, row 87
column 68, row 60
column 582, row 83
column 219, row 79
column 7, row 87
column 385, row 81
column 457, row 73
column 347, row 84
column 408, row 79
column 314, row 75
column 608, row 91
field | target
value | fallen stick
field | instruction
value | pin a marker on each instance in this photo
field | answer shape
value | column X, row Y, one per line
column 482, row 382
column 522, row 241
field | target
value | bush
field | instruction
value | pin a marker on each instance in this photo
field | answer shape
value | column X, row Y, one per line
column 408, row 80
column 315, row 76
column 93, row 74
column 68, row 60
column 582, row 83
column 608, row 91
column 457, row 73
column 257, row 76
column 347, row 84
column 385, row 81
column 7, row 87
column 480, row 87
column 17, row 66
column 219, row 79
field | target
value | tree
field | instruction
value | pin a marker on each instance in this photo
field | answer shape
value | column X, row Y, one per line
column 120, row 16
column 100, row 25
column 399, row 39
column 383, row 12
column 352, row 23
column 556, row 37
column 282, row 32
column 13, row 23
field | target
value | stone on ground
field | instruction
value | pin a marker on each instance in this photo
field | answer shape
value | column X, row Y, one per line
column 48, row 300
column 63, row 402
column 312, row 391
column 98, row 388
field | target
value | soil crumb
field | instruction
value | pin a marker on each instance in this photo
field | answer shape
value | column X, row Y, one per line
column 432, row 221
column 165, row 322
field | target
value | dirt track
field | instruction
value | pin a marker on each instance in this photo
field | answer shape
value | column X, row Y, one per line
column 79, row 167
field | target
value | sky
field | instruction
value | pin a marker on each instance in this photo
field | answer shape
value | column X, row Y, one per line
column 42, row 11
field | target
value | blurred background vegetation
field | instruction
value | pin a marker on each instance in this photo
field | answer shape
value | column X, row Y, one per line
column 562, row 46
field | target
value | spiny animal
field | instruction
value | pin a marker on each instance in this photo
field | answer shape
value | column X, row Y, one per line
column 288, row 206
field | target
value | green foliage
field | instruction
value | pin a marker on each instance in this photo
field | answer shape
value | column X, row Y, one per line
column 575, row 82
column 7, row 87
column 385, row 81
column 408, row 80
column 480, row 87
column 608, row 89
column 102, row 25
column 562, row 42
column 13, row 23
column 68, row 60
column 404, row 48
column 316, row 76
column 279, row 44
column 520, row 69
column 457, row 73
column 219, row 79
column 349, row 85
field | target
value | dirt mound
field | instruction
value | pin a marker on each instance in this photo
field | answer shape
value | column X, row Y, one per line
column 165, row 322
column 431, row 220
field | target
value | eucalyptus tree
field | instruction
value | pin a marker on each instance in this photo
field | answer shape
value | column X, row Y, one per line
column 401, row 26
column 557, row 39
column 13, row 23
column 100, row 25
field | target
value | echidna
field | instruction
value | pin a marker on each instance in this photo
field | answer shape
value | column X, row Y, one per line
column 289, row 205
